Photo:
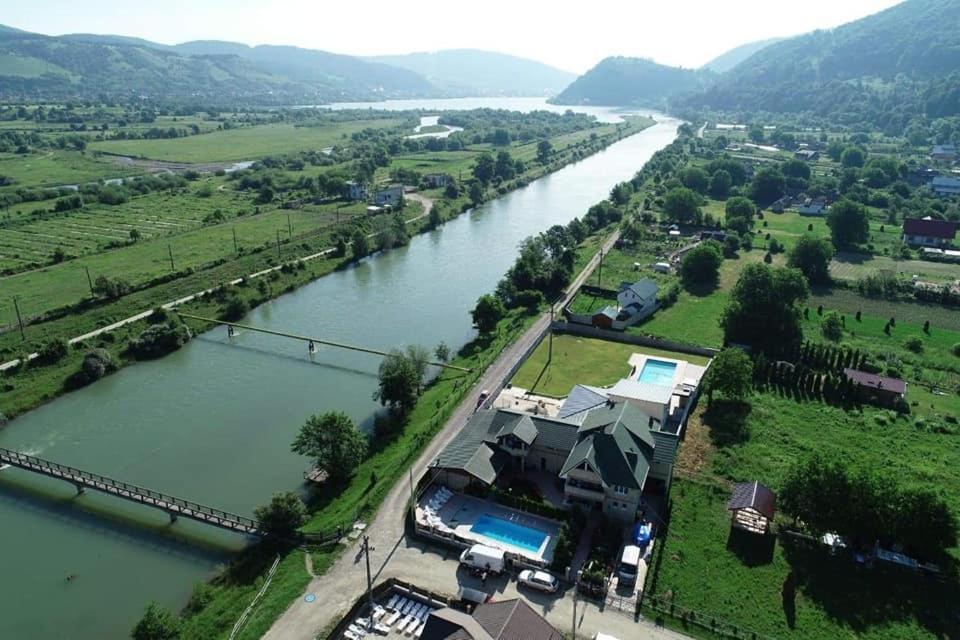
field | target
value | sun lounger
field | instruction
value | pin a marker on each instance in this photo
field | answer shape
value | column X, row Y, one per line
column 378, row 612
column 393, row 601
column 393, row 618
column 404, row 624
column 349, row 635
column 382, row 629
column 419, row 631
column 357, row 630
column 413, row 627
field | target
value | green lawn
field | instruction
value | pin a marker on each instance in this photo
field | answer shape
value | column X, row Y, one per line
column 695, row 317
column 738, row 579
column 246, row 143
column 52, row 168
column 579, row 360
column 853, row 266
column 849, row 302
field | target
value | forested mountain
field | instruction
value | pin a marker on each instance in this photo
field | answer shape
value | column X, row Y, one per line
column 727, row 61
column 474, row 72
column 34, row 66
column 631, row 81
column 886, row 69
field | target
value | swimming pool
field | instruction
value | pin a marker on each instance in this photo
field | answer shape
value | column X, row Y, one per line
column 510, row 533
column 658, row 372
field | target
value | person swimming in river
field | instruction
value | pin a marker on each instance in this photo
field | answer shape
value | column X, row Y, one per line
column 71, row 577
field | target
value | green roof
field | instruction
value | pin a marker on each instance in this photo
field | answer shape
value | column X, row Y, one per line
column 475, row 449
column 615, row 440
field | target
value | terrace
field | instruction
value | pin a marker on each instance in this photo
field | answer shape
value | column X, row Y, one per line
column 468, row 520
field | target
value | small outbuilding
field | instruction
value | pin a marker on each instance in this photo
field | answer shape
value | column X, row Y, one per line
column 753, row 506
column 877, row 389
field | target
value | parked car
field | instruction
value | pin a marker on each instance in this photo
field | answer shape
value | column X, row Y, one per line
column 538, row 580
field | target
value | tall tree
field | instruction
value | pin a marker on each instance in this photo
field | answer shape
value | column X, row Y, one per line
column 762, row 310
column 812, row 256
column 682, row 205
column 701, row 265
column 848, row 222
column 731, row 374
column 282, row 516
column 487, row 313
column 334, row 442
column 400, row 380
column 544, row 151
column 768, row 186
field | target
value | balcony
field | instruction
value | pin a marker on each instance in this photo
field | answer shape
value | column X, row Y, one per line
column 584, row 490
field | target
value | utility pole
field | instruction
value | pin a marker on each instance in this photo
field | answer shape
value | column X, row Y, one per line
column 278, row 243
column 89, row 279
column 600, row 270
column 235, row 248
column 170, row 252
column 366, row 553
column 289, row 226
column 573, row 631
column 19, row 318
column 550, row 329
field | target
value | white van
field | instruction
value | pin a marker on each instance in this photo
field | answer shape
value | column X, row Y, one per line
column 483, row 558
column 629, row 565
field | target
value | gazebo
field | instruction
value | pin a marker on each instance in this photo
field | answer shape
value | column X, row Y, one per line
column 753, row 507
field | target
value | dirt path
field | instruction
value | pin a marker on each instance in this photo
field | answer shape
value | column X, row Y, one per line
column 343, row 583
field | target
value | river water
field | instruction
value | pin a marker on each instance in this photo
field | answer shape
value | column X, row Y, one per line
column 213, row 422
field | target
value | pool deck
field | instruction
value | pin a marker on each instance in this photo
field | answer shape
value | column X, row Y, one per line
column 460, row 512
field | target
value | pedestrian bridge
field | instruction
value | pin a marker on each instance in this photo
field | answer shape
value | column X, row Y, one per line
column 175, row 507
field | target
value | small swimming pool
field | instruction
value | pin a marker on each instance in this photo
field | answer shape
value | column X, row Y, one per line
column 510, row 533
column 659, row 372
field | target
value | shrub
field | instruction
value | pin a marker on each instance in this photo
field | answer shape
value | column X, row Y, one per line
column 111, row 288
column 96, row 364
column 955, row 349
column 159, row 340
column 235, row 308
column 914, row 343
column 53, row 351
column 832, row 327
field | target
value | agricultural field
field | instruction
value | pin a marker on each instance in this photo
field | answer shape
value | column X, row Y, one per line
column 849, row 302
column 578, row 360
column 246, row 143
column 65, row 283
column 846, row 266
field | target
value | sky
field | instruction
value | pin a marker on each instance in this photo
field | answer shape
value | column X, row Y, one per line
column 570, row 35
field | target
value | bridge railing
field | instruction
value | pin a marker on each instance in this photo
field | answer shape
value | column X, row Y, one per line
column 85, row 477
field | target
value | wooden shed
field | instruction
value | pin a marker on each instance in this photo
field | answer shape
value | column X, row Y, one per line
column 753, row 507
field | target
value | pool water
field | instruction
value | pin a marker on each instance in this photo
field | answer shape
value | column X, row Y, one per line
column 510, row 533
column 658, row 372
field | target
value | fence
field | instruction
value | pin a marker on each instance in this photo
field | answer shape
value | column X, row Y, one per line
column 246, row 612
column 691, row 617
column 627, row 338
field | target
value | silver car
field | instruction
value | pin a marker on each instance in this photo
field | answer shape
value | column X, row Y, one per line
column 539, row 580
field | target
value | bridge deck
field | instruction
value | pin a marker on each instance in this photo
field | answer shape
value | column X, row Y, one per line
column 176, row 507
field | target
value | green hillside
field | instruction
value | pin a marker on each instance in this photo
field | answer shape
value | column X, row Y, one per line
column 35, row 66
column 473, row 72
column 727, row 61
column 631, row 81
column 885, row 69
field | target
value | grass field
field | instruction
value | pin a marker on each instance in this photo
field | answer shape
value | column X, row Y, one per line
column 695, row 317
column 735, row 577
column 54, row 168
column 853, row 266
column 579, row 360
column 849, row 302
column 246, row 143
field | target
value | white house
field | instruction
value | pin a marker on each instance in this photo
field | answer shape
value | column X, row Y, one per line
column 356, row 191
column 638, row 298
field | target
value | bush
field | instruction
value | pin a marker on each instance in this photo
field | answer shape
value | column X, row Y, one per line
column 111, row 288
column 832, row 327
column 53, row 351
column 159, row 340
column 96, row 364
column 955, row 349
column 914, row 343
column 235, row 308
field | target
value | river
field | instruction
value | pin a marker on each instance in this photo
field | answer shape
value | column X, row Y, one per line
column 213, row 422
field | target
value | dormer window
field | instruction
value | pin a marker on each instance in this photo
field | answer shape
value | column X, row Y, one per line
column 620, row 491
